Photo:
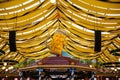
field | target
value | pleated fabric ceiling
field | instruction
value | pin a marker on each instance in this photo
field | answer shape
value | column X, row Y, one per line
column 36, row 21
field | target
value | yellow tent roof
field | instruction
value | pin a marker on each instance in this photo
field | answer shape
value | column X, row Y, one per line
column 35, row 22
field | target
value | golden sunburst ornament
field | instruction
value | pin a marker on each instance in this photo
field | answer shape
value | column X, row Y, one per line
column 58, row 42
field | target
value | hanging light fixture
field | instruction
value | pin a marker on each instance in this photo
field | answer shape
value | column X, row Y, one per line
column 5, row 64
column 11, row 67
column 6, row 70
column 90, row 66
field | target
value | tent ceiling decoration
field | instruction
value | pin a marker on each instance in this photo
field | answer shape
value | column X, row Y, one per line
column 36, row 21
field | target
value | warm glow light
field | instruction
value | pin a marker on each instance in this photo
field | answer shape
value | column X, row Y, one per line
column 5, row 64
column 115, row 69
column 6, row 70
column 11, row 67
column 90, row 66
column 119, row 59
column 118, row 68
column 3, row 67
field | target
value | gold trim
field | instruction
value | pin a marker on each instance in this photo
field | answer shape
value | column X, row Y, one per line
column 58, row 66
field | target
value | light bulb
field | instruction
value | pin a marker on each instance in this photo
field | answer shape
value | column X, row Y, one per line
column 115, row 69
column 11, row 67
column 5, row 64
column 90, row 66
column 3, row 67
column 6, row 70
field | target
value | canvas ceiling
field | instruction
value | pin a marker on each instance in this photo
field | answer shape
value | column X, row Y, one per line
column 35, row 22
